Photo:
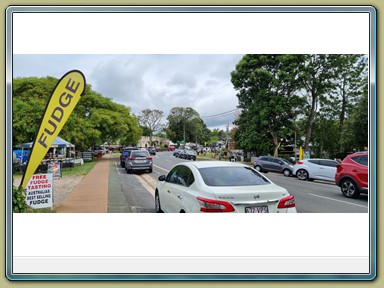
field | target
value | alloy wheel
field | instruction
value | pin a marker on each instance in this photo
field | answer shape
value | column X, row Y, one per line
column 302, row 174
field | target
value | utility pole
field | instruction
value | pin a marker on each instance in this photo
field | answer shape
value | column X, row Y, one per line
column 226, row 132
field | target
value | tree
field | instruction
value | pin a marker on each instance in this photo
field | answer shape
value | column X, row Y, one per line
column 317, row 79
column 95, row 119
column 151, row 119
column 184, row 122
column 333, row 84
column 355, row 135
column 351, row 82
column 267, row 88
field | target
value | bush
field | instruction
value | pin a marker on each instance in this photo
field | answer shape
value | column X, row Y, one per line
column 19, row 203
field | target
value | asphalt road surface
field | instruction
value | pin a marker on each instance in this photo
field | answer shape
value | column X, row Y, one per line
column 311, row 196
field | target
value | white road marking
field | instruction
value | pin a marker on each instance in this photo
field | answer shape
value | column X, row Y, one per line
column 144, row 181
column 117, row 168
column 337, row 200
column 161, row 168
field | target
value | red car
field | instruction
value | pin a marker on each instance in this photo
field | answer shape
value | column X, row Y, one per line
column 171, row 148
column 352, row 175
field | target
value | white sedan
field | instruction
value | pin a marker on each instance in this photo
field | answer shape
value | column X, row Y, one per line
column 218, row 186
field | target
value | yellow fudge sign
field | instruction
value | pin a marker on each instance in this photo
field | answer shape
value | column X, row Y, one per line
column 63, row 100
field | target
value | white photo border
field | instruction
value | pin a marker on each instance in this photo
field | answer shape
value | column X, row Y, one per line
column 12, row 47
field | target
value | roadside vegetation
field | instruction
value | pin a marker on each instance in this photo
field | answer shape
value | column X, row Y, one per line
column 78, row 170
column 319, row 102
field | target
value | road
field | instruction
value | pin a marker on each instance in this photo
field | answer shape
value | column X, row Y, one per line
column 311, row 196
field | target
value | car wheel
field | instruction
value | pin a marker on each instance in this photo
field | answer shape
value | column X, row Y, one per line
column 258, row 168
column 128, row 171
column 349, row 188
column 157, row 203
column 302, row 174
column 287, row 173
column 150, row 170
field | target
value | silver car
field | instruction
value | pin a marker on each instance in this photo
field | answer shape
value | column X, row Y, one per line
column 139, row 160
column 311, row 169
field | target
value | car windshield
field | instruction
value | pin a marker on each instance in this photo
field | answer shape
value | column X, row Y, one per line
column 232, row 176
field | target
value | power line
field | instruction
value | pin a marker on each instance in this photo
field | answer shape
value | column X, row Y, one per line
column 221, row 114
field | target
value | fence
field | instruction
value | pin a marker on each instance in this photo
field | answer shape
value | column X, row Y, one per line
column 87, row 156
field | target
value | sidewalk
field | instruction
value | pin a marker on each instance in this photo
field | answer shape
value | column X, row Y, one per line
column 91, row 195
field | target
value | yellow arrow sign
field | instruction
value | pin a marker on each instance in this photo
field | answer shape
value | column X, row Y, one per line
column 61, row 104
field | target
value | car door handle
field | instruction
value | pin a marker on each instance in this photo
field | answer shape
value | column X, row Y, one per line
column 178, row 196
column 168, row 191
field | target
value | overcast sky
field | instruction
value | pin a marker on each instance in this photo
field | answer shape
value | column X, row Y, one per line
column 161, row 82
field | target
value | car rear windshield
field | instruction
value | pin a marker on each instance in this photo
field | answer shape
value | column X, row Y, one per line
column 139, row 154
column 232, row 176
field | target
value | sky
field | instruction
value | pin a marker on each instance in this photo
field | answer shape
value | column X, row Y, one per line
column 161, row 82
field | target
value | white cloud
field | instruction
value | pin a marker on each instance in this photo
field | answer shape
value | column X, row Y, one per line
column 149, row 81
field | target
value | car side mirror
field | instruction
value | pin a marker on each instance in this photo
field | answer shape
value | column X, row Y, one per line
column 162, row 178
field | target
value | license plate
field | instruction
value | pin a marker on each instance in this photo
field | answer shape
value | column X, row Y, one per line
column 140, row 161
column 256, row 209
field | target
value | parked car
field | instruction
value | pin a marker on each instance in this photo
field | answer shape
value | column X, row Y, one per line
column 171, row 148
column 176, row 152
column 159, row 149
column 139, row 160
column 273, row 164
column 311, row 169
column 187, row 154
column 125, row 153
column 101, row 151
column 217, row 186
column 152, row 150
column 352, row 175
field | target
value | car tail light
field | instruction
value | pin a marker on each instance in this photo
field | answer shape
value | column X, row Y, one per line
column 287, row 202
column 131, row 158
column 210, row 205
column 299, row 162
column 149, row 158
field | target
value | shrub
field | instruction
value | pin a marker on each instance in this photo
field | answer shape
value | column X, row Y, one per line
column 19, row 203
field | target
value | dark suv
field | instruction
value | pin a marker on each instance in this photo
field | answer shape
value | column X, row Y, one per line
column 273, row 164
column 352, row 175
column 125, row 153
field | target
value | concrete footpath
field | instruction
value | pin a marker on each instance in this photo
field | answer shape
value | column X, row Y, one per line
column 91, row 194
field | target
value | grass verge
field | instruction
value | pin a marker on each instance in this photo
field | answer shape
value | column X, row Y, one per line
column 79, row 170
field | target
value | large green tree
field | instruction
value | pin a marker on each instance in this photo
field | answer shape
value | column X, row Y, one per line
column 184, row 121
column 94, row 121
column 267, row 89
column 355, row 135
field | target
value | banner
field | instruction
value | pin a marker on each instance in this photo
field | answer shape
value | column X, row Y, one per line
column 54, row 169
column 63, row 100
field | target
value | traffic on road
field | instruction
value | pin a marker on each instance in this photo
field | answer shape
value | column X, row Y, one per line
column 318, row 196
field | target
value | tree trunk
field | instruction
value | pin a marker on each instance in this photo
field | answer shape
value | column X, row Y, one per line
column 311, row 120
column 275, row 141
column 342, row 116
